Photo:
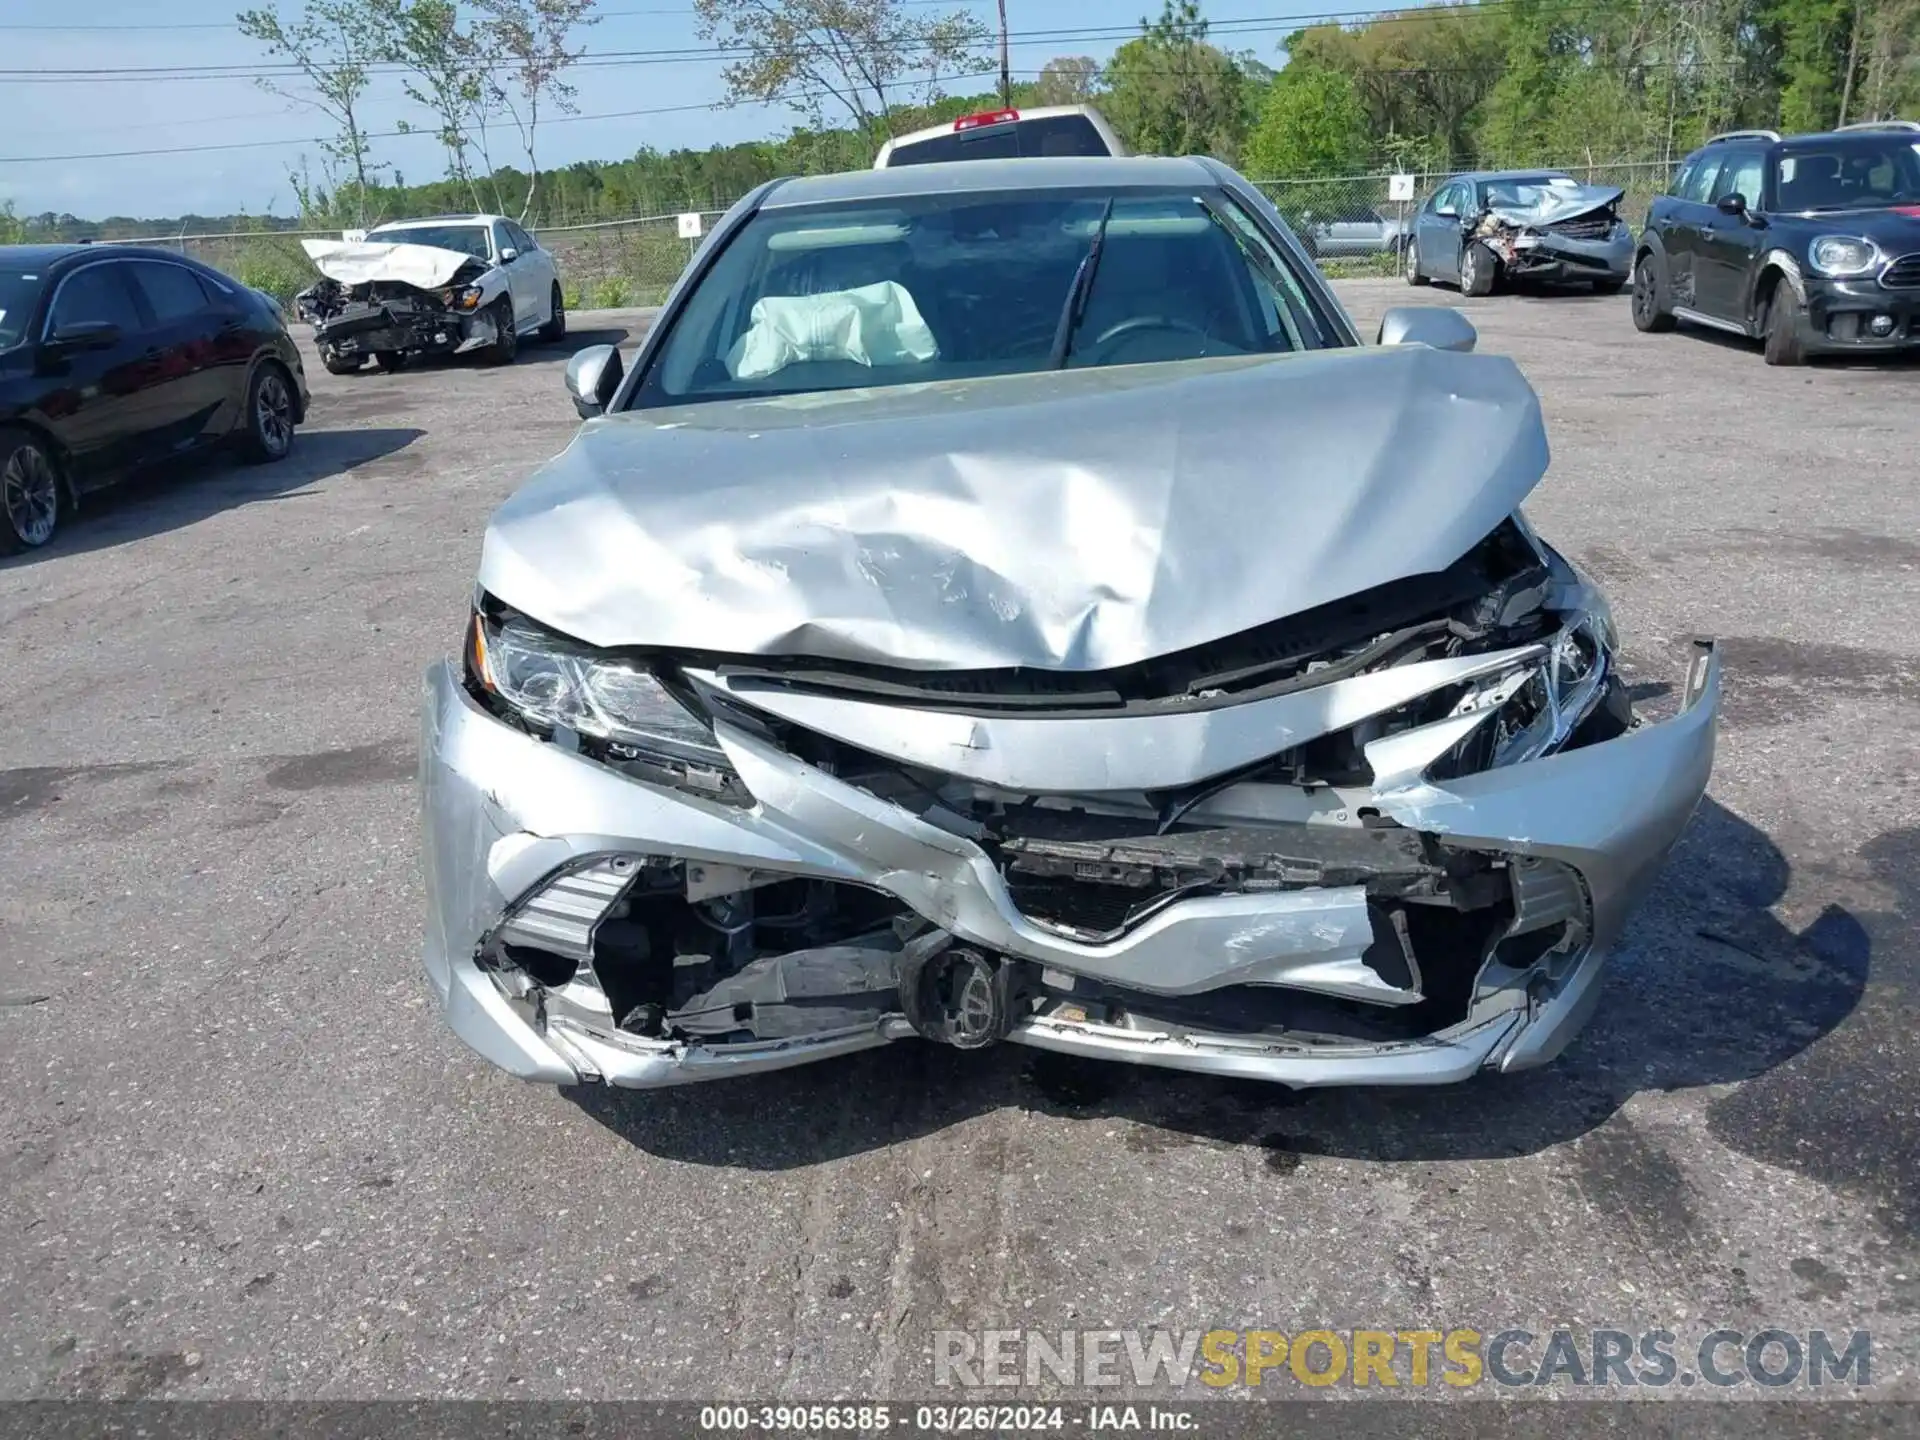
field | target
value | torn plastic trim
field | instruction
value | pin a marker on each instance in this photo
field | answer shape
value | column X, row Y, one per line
column 1123, row 752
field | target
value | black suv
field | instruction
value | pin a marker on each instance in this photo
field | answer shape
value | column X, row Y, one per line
column 1811, row 242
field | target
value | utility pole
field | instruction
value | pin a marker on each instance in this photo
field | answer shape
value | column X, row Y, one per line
column 1006, row 75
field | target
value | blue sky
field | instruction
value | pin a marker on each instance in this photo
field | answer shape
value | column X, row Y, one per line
column 39, row 119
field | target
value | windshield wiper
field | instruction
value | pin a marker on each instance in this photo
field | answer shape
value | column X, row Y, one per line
column 1075, row 309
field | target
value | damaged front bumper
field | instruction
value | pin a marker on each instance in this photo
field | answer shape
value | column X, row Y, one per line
column 1565, row 259
column 403, row 326
column 530, row 846
column 1844, row 317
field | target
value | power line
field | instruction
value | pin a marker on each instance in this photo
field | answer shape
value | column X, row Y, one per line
column 680, row 55
column 365, row 135
column 228, row 25
column 1246, row 25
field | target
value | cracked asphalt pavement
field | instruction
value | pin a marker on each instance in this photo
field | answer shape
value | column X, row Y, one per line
column 240, row 1157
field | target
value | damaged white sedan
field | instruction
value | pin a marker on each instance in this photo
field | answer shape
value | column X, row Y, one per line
column 1006, row 602
column 451, row 285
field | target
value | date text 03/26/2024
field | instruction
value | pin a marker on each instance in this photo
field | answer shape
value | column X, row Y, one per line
column 978, row 1419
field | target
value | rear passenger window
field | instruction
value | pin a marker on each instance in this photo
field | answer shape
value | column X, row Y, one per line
column 173, row 292
column 97, row 292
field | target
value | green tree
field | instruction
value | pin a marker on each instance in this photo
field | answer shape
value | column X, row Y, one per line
column 856, row 55
column 1171, row 93
column 447, row 72
column 1311, row 123
column 1419, row 73
column 1068, row 80
column 529, row 46
column 332, row 45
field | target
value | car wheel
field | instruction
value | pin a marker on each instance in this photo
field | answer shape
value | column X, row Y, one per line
column 1478, row 269
column 338, row 364
column 391, row 360
column 1650, row 312
column 506, row 344
column 29, row 493
column 1783, row 327
column 1414, row 277
column 556, row 326
column 270, row 410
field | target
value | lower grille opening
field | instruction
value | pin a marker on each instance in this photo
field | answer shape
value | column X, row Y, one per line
column 677, row 952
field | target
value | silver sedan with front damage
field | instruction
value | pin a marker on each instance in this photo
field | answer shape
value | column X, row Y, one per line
column 1004, row 601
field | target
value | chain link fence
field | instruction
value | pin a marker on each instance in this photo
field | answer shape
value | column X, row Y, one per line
column 1347, row 221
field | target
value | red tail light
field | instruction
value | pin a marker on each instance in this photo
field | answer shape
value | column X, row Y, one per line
column 985, row 117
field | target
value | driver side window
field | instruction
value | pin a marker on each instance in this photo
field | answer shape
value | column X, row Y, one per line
column 1741, row 176
column 1697, row 184
column 502, row 241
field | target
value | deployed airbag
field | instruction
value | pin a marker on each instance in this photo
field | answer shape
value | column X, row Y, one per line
column 873, row 325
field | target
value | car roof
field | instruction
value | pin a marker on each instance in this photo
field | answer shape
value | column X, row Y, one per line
column 437, row 220
column 55, row 254
column 40, row 254
column 1064, row 172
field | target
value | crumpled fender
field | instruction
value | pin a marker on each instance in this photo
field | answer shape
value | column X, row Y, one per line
column 1789, row 267
column 492, row 285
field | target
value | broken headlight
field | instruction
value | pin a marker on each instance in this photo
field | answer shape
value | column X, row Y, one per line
column 554, row 684
column 461, row 297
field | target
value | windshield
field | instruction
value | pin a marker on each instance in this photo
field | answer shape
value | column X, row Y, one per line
column 949, row 286
column 1528, row 194
column 19, row 293
column 467, row 239
column 1867, row 172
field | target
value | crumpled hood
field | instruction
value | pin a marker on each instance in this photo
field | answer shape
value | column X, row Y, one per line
column 425, row 267
column 1568, row 202
column 1077, row 520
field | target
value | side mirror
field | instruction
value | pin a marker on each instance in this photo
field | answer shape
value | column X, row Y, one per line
column 1435, row 326
column 509, row 255
column 85, row 335
column 1450, row 211
column 1731, row 204
column 593, row 375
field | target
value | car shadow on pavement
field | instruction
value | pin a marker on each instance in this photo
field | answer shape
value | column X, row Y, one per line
column 581, row 339
column 1709, row 989
column 1897, row 361
column 180, row 493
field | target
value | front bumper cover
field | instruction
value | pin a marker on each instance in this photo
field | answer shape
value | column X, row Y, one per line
column 1557, row 258
column 504, row 812
column 1838, row 315
column 389, row 328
